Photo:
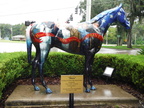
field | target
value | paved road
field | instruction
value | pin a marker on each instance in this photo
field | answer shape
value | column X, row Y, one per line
column 117, row 51
column 14, row 47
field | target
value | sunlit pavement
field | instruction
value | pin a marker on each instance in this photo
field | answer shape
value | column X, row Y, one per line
column 15, row 47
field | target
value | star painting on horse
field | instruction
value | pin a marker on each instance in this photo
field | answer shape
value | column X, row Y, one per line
column 84, row 38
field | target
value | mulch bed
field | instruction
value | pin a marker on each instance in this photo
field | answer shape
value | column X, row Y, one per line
column 56, row 81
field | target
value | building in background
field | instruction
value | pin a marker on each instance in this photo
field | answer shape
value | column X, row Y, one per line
column 18, row 38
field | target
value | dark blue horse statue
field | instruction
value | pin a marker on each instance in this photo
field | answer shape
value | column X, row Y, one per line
column 84, row 39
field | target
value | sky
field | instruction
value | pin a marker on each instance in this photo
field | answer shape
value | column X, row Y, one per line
column 18, row 11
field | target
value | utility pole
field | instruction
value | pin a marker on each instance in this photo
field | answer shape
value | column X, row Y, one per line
column 0, row 34
column 11, row 33
column 107, row 37
column 88, row 10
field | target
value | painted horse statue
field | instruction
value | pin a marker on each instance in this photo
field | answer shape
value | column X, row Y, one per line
column 84, row 39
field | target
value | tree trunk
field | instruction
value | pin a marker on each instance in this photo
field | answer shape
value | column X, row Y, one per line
column 129, row 33
column 120, row 41
column 129, row 39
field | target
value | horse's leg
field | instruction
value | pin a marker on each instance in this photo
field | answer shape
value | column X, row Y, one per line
column 35, row 63
column 90, row 73
column 48, row 90
column 89, row 58
column 86, row 73
column 44, row 50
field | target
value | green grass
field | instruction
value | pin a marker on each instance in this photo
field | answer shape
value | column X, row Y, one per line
column 117, row 47
column 9, row 41
column 122, row 47
column 138, row 46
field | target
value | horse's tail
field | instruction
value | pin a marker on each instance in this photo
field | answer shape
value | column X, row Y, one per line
column 28, row 43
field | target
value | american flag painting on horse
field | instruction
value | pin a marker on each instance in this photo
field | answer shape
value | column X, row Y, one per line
column 84, row 39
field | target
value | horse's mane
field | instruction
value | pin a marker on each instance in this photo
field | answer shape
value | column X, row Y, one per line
column 104, row 13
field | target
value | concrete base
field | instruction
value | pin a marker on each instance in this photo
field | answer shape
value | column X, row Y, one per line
column 24, row 96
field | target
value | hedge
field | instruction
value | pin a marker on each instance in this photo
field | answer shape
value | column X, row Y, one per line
column 129, row 68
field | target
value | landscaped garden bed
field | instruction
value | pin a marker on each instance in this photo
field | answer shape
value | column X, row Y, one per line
column 128, row 70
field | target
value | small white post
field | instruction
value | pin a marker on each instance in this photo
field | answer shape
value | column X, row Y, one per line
column 88, row 10
column 0, row 34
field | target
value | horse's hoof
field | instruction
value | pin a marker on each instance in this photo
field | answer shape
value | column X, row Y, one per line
column 93, row 88
column 36, row 88
column 87, row 90
column 48, row 91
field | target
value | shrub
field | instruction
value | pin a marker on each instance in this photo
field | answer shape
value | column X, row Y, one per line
column 63, row 63
column 129, row 68
column 141, row 51
column 11, row 67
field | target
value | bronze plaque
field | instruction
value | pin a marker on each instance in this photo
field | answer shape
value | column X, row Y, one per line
column 71, row 83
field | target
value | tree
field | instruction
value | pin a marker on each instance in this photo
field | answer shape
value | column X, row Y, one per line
column 19, row 29
column 135, row 9
column 5, row 30
column 138, row 33
column 23, row 29
column 112, row 35
column 8, row 30
column 121, row 33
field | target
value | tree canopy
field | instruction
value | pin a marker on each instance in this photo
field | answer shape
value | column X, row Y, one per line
column 7, row 30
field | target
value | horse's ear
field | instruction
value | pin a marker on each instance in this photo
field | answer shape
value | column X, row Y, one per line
column 120, row 5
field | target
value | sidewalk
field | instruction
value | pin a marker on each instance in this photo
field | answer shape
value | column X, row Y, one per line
column 16, row 47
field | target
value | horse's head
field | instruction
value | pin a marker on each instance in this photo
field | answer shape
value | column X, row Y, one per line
column 121, row 17
column 106, row 18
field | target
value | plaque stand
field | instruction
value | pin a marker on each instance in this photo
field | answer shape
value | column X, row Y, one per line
column 71, row 100
column 71, row 84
